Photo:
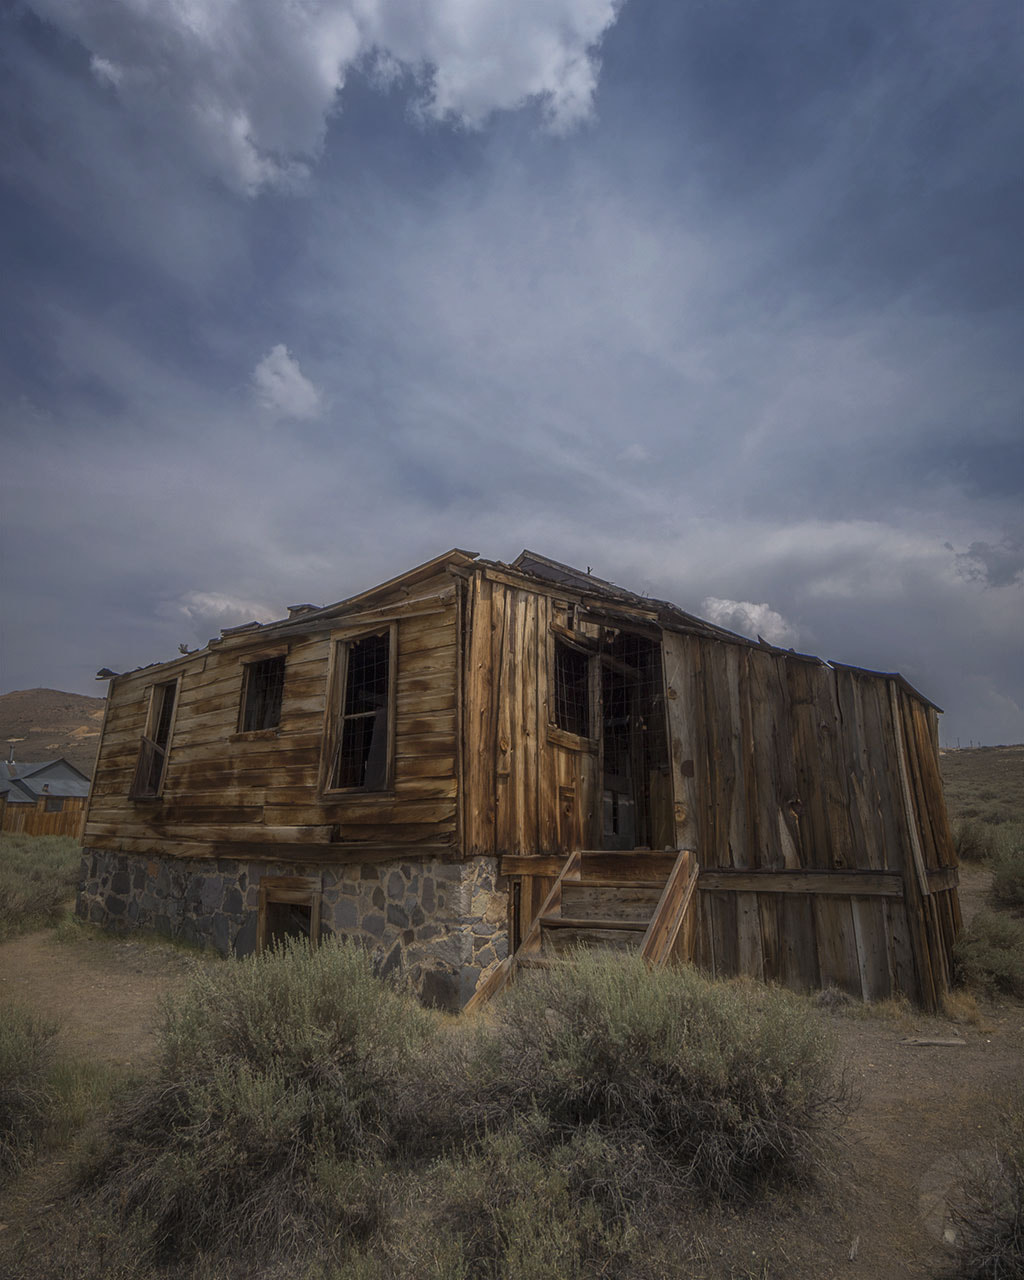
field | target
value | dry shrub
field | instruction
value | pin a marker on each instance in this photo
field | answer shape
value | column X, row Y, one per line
column 722, row 1088
column 988, row 1206
column 973, row 840
column 38, row 875
column 1008, row 875
column 990, row 954
column 26, row 1099
column 278, row 1095
column 961, row 1007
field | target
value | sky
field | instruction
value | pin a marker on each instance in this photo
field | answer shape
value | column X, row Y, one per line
column 723, row 300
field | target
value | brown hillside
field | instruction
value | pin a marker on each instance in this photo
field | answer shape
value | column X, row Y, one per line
column 52, row 724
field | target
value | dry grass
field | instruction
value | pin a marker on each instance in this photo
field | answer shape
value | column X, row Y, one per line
column 38, row 876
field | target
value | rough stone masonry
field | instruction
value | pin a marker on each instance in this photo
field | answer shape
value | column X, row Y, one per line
column 440, row 924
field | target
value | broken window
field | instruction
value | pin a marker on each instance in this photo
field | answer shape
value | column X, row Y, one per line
column 262, row 687
column 152, row 763
column 572, row 690
column 360, row 749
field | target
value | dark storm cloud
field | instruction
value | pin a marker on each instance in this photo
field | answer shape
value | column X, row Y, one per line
column 748, row 337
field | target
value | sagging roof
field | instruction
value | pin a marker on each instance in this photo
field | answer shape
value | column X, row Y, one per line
column 530, row 566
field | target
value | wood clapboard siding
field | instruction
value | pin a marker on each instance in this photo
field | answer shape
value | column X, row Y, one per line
column 225, row 791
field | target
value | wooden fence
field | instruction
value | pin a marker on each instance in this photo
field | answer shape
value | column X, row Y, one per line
column 34, row 820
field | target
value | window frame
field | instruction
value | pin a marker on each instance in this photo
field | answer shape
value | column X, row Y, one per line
column 248, row 665
column 154, row 711
column 334, row 715
column 566, row 737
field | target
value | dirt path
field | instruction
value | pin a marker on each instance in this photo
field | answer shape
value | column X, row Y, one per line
column 106, row 994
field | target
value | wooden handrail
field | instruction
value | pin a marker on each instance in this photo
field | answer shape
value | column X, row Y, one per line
column 500, row 977
column 659, row 945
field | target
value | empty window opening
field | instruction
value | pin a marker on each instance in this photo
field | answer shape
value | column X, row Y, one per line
column 149, row 772
column 361, row 754
column 261, row 697
column 572, row 690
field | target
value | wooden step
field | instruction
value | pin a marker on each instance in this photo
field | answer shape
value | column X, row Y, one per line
column 590, row 922
column 584, row 900
column 583, row 933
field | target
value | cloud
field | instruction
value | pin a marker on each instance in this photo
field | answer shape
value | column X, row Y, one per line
column 750, row 620
column 997, row 564
column 283, row 388
column 254, row 85
column 207, row 612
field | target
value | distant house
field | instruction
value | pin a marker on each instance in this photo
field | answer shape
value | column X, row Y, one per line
column 45, row 799
column 476, row 764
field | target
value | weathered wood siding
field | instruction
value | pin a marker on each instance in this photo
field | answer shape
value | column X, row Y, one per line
column 784, row 765
column 33, row 819
column 228, row 793
column 529, row 789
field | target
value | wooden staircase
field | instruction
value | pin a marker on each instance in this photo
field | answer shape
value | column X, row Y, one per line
column 629, row 901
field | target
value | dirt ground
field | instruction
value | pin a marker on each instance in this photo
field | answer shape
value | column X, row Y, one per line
column 920, row 1109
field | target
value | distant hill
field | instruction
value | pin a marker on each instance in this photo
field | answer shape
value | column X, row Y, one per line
column 52, row 724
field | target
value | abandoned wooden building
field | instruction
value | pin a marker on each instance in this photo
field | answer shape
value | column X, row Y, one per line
column 44, row 798
column 477, row 764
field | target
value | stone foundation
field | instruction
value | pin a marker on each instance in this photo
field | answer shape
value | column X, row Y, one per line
column 442, row 924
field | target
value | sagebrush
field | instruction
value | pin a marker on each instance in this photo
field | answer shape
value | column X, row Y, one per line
column 987, row 1207
column 990, row 954
column 304, row 1109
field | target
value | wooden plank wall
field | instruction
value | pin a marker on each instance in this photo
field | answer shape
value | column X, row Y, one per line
column 33, row 820
column 529, row 791
column 225, row 792
column 783, row 764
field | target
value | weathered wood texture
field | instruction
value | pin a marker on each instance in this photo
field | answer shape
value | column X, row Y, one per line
column 812, row 796
column 33, row 819
column 225, row 791
column 529, row 789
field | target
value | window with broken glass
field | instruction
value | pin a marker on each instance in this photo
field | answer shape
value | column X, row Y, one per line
column 572, row 690
column 155, row 742
column 360, row 748
column 262, row 688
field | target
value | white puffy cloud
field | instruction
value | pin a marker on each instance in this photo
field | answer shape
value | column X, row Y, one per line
column 282, row 387
column 253, row 84
column 207, row 612
column 750, row 620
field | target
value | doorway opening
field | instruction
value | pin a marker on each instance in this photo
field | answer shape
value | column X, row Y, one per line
column 636, row 810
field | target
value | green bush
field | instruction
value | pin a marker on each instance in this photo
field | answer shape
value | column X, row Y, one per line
column 26, row 1101
column 990, row 954
column 988, row 1208
column 279, row 1092
column 719, row 1087
column 38, row 875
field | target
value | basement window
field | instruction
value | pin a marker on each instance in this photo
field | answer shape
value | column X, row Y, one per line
column 572, row 690
column 289, row 907
column 359, row 742
column 262, row 687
